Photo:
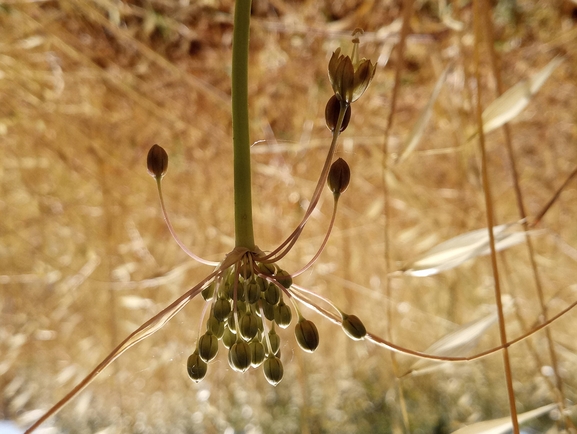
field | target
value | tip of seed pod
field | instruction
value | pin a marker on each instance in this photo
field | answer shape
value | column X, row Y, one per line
column 157, row 161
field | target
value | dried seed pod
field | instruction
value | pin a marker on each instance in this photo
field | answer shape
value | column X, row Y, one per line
column 248, row 326
column 256, row 353
column 339, row 176
column 157, row 161
column 307, row 335
column 221, row 309
column 215, row 326
column 332, row 111
column 282, row 314
column 272, row 294
column 252, row 293
column 284, row 278
column 239, row 357
column 228, row 338
column 354, row 327
column 274, row 340
column 207, row 346
column 273, row 370
column 196, row 367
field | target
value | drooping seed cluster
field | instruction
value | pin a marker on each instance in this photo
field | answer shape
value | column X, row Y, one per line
column 247, row 304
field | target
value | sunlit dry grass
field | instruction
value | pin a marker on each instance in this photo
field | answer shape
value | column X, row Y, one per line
column 87, row 87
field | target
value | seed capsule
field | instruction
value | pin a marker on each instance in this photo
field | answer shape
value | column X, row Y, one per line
column 208, row 292
column 228, row 338
column 332, row 111
column 157, row 161
column 273, row 370
column 272, row 294
column 239, row 357
column 354, row 327
column 307, row 335
column 284, row 278
column 274, row 340
column 196, row 367
column 339, row 176
column 215, row 326
column 252, row 293
column 207, row 346
column 221, row 309
column 256, row 353
column 268, row 310
column 282, row 314
column 248, row 326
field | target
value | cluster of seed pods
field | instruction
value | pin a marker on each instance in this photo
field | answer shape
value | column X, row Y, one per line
column 243, row 298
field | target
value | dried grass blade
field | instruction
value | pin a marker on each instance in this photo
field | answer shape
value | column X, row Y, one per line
column 504, row 424
column 417, row 132
column 456, row 344
column 455, row 251
column 148, row 328
column 514, row 100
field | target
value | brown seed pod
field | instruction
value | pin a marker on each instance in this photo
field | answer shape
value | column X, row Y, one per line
column 354, row 327
column 196, row 367
column 273, row 370
column 157, row 161
column 339, row 177
column 307, row 335
column 332, row 111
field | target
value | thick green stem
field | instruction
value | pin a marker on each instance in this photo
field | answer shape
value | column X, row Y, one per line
column 242, row 178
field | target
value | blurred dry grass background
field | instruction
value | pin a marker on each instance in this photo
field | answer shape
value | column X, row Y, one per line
column 86, row 87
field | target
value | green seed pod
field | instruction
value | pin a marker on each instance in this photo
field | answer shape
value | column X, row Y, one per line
column 354, row 327
column 267, row 269
column 268, row 310
column 282, row 314
column 196, row 367
column 230, row 322
column 157, row 161
column 256, row 353
column 248, row 326
column 228, row 338
column 208, row 292
column 272, row 294
column 207, row 346
column 332, row 111
column 239, row 357
column 339, row 176
column 252, row 293
column 274, row 339
column 307, row 335
column 284, row 278
column 221, row 309
column 273, row 370
column 215, row 326
column 261, row 283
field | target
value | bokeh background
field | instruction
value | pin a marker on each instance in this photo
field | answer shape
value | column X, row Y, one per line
column 86, row 87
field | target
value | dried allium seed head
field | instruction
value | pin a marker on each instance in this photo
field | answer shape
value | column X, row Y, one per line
column 273, row 370
column 339, row 176
column 157, row 161
column 196, row 367
column 307, row 335
column 239, row 357
column 332, row 111
column 354, row 327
